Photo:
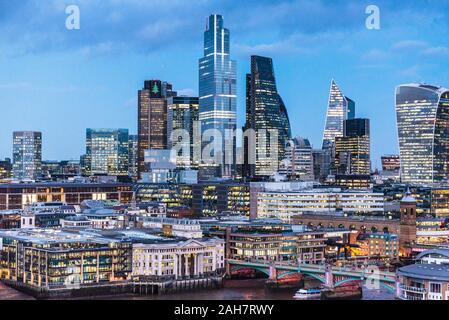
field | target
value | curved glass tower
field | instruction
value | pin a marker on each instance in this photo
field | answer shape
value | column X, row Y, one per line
column 423, row 132
column 218, row 97
column 266, row 111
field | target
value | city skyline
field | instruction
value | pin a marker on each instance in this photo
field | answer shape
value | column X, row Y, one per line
column 70, row 78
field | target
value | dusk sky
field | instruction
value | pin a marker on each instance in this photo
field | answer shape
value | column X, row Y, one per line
column 61, row 82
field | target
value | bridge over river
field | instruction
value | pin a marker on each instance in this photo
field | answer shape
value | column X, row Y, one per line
column 331, row 276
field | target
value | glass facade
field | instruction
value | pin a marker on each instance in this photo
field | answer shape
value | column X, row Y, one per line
column 107, row 152
column 27, row 155
column 183, row 115
column 340, row 109
column 352, row 152
column 423, row 131
column 265, row 112
column 47, row 259
column 218, row 97
column 133, row 155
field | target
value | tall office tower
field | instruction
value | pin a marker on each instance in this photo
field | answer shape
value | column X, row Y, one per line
column 27, row 155
column 319, row 172
column 152, row 118
column 217, row 101
column 298, row 161
column 265, row 113
column 340, row 108
column 352, row 151
column 133, row 156
column 423, row 130
column 183, row 117
column 107, row 152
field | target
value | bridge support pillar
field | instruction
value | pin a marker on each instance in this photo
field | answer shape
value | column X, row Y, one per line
column 273, row 273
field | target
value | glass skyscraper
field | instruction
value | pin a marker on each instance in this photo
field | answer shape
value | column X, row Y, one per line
column 107, row 152
column 218, row 99
column 183, row 115
column 27, row 155
column 340, row 108
column 133, row 153
column 353, row 150
column 423, row 131
column 265, row 110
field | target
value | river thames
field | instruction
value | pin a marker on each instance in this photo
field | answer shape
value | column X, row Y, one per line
column 256, row 292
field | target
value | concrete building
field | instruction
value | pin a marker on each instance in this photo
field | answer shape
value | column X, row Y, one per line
column 285, row 205
column 183, row 228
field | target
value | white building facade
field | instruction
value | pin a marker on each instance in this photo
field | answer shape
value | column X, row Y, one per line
column 285, row 205
column 191, row 258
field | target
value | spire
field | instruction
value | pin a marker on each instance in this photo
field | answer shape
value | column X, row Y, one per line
column 408, row 197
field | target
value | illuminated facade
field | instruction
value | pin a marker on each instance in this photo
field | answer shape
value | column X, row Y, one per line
column 17, row 196
column 268, row 241
column 218, row 99
column 5, row 169
column 353, row 150
column 206, row 199
column 353, row 181
column 133, row 156
column 47, row 258
column 440, row 202
column 27, row 155
column 423, row 131
column 380, row 245
column 265, row 113
column 183, row 116
column 340, row 108
column 152, row 118
column 286, row 205
column 179, row 259
column 107, row 152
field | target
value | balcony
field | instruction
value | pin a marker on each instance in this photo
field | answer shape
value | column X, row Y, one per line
column 412, row 293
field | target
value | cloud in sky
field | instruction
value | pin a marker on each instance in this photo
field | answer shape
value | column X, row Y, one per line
column 121, row 42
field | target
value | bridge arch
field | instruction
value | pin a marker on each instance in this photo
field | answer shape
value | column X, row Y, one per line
column 262, row 270
column 287, row 273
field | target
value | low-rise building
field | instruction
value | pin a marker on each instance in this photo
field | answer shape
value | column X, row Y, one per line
column 185, row 228
column 20, row 195
column 427, row 279
column 285, row 205
column 179, row 258
column 267, row 240
column 47, row 258
column 379, row 245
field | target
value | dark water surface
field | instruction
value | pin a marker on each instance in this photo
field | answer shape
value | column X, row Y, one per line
column 258, row 292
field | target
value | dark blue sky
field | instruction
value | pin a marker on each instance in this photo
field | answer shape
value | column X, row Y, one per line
column 60, row 82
